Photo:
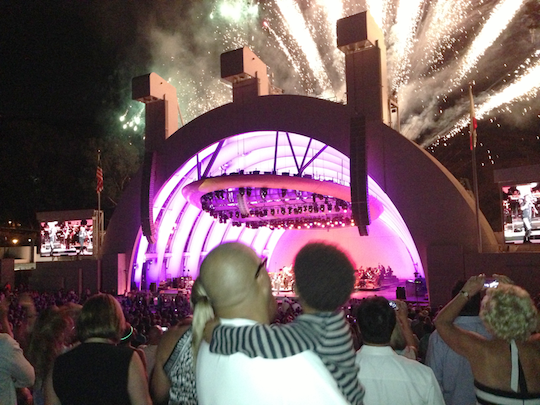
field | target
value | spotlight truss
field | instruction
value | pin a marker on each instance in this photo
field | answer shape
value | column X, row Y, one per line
column 277, row 206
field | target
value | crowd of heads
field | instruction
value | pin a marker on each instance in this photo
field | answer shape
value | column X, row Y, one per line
column 508, row 311
column 230, row 275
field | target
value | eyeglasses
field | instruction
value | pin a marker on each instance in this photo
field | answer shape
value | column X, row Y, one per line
column 261, row 265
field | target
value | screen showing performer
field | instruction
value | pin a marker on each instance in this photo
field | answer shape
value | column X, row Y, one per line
column 67, row 238
column 520, row 208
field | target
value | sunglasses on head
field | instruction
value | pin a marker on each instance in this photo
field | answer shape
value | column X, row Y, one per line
column 261, row 265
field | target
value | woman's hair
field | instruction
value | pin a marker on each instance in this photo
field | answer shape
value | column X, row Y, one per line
column 48, row 337
column 509, row 312
column 101, row 316
column 202, row 313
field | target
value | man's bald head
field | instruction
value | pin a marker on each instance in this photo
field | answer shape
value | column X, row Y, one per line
column 228, row 274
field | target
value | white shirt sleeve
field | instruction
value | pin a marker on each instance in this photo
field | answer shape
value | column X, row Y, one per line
column 20, row 369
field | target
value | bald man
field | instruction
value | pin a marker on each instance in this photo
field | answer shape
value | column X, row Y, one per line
column 238, row 287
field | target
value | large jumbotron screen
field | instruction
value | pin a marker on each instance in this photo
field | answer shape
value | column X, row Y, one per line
column 520, row 212
column 67, row 238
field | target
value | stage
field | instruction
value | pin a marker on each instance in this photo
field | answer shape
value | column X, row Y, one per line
column 410, row 291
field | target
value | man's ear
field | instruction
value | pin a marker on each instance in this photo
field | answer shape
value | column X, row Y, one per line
column 263, row 281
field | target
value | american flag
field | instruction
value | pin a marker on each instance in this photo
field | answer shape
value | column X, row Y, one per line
column 99, row 177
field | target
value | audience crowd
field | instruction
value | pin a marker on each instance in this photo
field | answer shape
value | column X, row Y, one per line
column 38, row 327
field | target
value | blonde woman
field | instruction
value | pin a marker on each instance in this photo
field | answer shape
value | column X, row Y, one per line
column 506, row 368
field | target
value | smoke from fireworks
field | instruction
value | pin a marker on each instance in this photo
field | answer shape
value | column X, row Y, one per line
column 434, row 49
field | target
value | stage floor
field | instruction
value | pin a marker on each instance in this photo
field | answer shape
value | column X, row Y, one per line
column 387, row 291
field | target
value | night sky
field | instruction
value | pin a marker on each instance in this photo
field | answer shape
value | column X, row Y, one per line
column 62, row 75
column 65, row 80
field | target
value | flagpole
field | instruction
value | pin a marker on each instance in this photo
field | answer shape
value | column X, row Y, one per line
column 97, row 245
column 472, row 131
column 98, row 221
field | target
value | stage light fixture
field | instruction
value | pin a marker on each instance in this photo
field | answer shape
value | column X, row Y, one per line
column 255, row 210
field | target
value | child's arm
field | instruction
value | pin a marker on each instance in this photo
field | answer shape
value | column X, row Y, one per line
column 267, row 341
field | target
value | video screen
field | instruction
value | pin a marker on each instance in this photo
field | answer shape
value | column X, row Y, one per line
column 67, row 238
column 520, row 207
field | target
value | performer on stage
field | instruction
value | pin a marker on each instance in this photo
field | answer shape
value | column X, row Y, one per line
column 53, row 229
column 527, row 207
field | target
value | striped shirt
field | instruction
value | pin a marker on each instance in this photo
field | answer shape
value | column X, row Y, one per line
column 326, row 333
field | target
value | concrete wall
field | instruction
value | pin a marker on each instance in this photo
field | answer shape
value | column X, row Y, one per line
column 7, row 272
column 77, row 275
column 448, row 264
column 21, row 254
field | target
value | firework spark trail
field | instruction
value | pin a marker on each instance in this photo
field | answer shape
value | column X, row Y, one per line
column 402, row 38
column 424, row 41
column 447, row 19
column 377, row 8
column 296, row 26
column 284, row 49
column 499, row 19
column 525, row 86
column 334, row 10
column 133, row 122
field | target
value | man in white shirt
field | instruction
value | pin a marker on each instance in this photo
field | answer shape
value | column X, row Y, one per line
column 239, row 290
column 15, row 370
column 387, row 377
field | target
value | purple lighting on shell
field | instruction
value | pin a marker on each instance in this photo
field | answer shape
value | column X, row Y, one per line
column 185, row 234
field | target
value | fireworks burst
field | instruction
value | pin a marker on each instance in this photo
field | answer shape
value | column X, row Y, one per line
column 434, row 49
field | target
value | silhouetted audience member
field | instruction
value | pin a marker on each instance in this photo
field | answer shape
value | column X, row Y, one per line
column 173, row 379
column 149, row 349
column 389, row 378
column 51, row 336
column 238, row 289
column 324, row 279
column 129, row 336
column 505, row 368
column 97, row 371
column 403, row 340
column 15, row 370
column 453, row 371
